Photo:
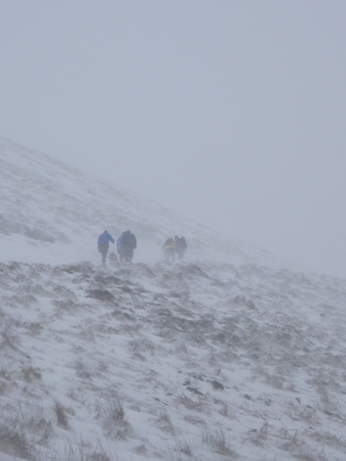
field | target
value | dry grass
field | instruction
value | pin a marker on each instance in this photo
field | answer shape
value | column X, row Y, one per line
column 201, row 405
column 4, row 369
column 141, row 449
column 217, row 440
column 183, row 450
column 76, row 396
column 164, row 421
column 195, row 420
column 111, row 410
column 328, row 404
column 330, row 439
column 298, row 448
column 81, row 370
column 60, row 415
column 23, row 430
column 31, row 374
column 258, row 437
column 223, row 409
column 9, row 340
column 34, row 328
column 85, row 452
column 13, row 440
column 184, row 446
column 116, row 411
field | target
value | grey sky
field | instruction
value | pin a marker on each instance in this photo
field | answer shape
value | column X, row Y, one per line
column 231, row 112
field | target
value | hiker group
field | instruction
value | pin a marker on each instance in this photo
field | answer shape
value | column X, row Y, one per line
column 127, row 243
column 171, row 246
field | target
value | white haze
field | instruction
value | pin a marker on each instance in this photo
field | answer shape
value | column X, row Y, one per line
column 229, row 112
column 228, row 354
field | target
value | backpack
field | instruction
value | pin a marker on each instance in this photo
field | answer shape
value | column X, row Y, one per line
column 169, row 243
column 183, row 243
column 127, row 238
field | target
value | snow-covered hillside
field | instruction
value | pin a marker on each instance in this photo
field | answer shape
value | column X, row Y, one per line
column 233, row 357
column 53, row 213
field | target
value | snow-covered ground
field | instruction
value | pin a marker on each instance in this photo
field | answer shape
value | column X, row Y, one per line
column 53, row 213
column 229, row 354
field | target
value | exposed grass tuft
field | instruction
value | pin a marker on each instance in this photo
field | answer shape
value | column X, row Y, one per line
column 218, row 441
column 61, row 415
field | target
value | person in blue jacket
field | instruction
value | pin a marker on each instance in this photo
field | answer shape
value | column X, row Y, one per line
column 103, row 244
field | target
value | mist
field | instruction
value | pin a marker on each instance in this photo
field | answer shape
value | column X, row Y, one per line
column 230, row 113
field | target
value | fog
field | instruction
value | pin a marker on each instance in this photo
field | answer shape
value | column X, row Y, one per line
column 229, row 112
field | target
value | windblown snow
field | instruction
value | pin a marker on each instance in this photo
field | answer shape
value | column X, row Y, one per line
column 228, row 354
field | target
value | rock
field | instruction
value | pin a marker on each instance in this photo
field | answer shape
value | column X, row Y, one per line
column 102, row 295
column 194, row 390
column 217, row 385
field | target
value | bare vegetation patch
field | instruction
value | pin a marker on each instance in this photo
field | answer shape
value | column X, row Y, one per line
column 101, row 295
column 66, row 305
column 31, row 374
column 164, row 421
column 5, row 369
column 13, row 440
column 259, row 437
column 116, row 411
column 75, row 395
column 8, row 339
column 141, row 449
column 195, row 420
column 183, row 450
column 82, row 370
column 64, row 292
column 60, row 415
column 130, row 329
column 111, row 410
column 299, row 412
column 184, row 446
column 328, row 404
column 224, row 409
column 332, row 440
column 139, row 346
column 23, row 429
column 219, row 442
column 298, row 448
column 200, row 405
column 85, row 452
column 102, row 366
column 34, row 328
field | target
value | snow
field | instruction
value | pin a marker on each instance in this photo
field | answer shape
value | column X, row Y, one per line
column 228, row 354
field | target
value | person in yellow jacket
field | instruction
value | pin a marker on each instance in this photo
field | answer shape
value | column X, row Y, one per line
column 169, row 250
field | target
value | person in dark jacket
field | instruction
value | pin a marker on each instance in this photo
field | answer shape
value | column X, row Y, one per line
column 169, row 250
column 180, row 246
column 126, row 243
column 103, row 244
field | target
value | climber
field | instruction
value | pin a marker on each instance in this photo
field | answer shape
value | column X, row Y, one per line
column 103, row 244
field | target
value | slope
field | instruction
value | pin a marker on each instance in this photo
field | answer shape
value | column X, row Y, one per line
column 226, row 355
column 188, row 362
column 53, row 213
